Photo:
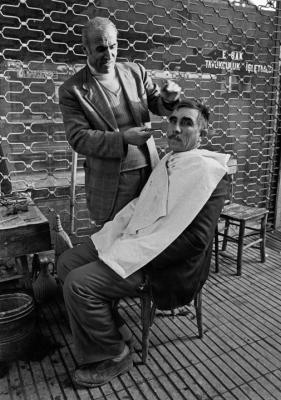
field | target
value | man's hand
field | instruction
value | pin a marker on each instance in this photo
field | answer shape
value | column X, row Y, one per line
column 170, row 91
column 137, row 136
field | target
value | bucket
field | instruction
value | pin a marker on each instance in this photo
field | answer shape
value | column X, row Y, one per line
column 17, row 325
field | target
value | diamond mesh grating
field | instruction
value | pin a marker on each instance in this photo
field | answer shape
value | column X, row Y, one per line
column 224, row 52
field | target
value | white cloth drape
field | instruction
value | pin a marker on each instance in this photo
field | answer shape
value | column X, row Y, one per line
column 176, row 191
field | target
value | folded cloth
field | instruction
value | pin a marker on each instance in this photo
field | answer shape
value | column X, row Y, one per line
column 177, row 189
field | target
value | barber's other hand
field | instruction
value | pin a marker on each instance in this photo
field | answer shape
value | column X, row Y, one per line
column 170, row 91
column 137, row 136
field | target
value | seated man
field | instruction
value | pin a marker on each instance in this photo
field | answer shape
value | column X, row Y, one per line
column 167, row 232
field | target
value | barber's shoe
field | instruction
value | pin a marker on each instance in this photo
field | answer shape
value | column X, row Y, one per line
column 103, row 372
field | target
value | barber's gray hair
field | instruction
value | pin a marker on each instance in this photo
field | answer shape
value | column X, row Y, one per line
column 94, row 27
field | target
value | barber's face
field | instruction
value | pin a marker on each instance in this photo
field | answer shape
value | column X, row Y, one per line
column 102, row 51
column 183, row 130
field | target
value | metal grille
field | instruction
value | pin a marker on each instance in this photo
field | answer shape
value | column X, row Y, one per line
column 226, row 52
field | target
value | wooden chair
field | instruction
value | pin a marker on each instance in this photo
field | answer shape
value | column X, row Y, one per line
column 148, row 309
column 249, row 221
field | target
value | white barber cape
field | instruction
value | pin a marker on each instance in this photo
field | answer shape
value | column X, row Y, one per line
column 176, row 191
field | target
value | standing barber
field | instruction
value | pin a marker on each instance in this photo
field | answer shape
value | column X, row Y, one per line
column 105, row 106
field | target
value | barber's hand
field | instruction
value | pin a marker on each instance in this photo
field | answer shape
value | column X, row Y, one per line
column 170, row 91
column 137, row 136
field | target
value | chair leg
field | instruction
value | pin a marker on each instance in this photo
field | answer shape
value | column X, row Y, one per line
column 217, row 249
column 152, row 313
column 146, row 317
column 240, row 247
column 225, row 233
column 198, row 310
column 263, row 236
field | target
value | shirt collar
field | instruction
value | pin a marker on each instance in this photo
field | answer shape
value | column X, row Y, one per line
column 99, row 75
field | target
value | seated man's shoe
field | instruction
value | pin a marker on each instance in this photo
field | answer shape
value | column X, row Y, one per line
column 103, row 372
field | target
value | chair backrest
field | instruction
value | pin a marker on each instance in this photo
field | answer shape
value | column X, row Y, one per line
column 232, row 170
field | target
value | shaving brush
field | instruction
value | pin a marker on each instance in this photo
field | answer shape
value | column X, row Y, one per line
column 61, row 240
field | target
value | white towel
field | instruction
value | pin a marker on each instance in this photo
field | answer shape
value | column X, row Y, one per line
column 176, row 191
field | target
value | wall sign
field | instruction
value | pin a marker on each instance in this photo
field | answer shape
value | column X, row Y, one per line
column 234, row 61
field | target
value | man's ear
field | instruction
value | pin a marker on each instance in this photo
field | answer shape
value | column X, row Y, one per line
column 203, row 132
column 86, row 51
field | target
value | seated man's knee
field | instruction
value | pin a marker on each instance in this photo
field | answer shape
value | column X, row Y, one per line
column 69, row 283
column 74, row 285
column 62, row 268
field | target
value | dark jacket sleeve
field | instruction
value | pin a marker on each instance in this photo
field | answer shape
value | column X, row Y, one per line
column 182, row 268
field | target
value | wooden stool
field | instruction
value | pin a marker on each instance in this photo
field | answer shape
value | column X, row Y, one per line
column 240, row 216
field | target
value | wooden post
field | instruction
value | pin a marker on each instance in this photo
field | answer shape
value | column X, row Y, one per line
column 72, row 190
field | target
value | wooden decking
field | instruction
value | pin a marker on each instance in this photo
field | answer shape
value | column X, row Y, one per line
column 238, row 358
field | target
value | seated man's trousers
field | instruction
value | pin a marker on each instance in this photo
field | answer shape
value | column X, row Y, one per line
column 90, row 288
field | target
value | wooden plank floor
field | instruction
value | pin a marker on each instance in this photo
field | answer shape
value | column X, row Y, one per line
column 238, row 358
